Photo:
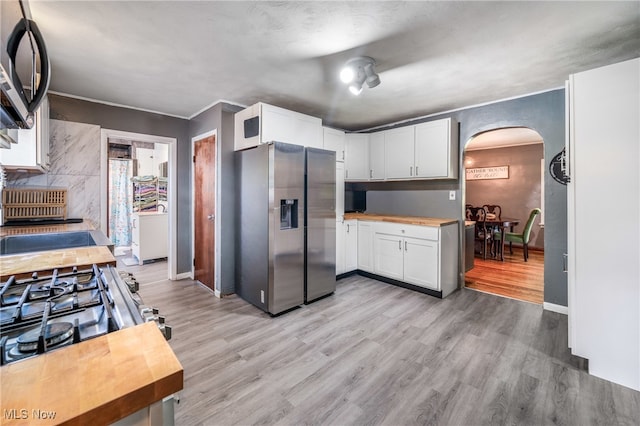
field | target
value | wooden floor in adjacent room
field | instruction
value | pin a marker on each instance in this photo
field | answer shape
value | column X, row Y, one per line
column 512, row 278
column 377, row 354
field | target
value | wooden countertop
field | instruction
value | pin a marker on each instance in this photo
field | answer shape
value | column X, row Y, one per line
column 98, row 381
column 22, row 265
column 45, row 229
column 410, row 220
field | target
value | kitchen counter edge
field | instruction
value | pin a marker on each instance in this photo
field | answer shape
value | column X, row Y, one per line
column 104, row 379
column 409, row 220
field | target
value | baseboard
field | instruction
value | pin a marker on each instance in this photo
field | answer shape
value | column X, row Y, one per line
column 217, row 294
column 555, row 308
column 183, row 276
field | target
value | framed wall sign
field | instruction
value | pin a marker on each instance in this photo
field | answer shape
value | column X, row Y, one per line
column 481, row 173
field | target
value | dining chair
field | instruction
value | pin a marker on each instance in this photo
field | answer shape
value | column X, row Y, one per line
column 523, row 238
column 494, row 211
column 482, row 235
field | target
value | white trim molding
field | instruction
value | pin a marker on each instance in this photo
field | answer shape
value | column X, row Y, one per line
column 171, row 190
column 184, row 276
column 564, row 310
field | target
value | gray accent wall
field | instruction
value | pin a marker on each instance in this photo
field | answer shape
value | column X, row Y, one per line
column 544, row 113
column 130, row 120
column 221, row 117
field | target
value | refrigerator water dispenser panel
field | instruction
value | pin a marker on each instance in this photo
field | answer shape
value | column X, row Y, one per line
column 288, row 214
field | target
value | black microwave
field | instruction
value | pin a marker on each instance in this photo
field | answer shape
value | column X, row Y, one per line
column 355, row 201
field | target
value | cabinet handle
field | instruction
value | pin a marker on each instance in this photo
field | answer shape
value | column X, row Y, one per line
column 410, row 170
column 346, row 174
column 370, row 173
column 133, row 225
column 564, row 262
column 347, row 228
column 416, row 170
column 343, row 154
column 399, row 245
column 405, row 246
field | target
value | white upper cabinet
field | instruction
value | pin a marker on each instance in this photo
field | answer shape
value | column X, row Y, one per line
column 436, row 149
column 333, row 140
column 399, row 152
column 356, row 161
column 261, row 123
column 31, row 153
column 376, row 156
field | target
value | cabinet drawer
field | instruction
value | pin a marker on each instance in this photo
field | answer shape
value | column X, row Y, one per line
column 414, row 231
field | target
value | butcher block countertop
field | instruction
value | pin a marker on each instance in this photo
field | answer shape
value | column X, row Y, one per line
column 45, row 229
column 98, row 381
column 22, row 265
column 409, row 220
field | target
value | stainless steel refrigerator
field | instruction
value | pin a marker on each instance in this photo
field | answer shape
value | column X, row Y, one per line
column 320, row 224
column 270, row 226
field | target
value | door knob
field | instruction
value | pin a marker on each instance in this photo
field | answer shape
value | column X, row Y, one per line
column 211, row 217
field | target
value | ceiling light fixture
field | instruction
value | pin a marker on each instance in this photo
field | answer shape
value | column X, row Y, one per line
column 358, row 71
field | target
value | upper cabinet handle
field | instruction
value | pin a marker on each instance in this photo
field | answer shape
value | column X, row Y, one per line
column 410, row 170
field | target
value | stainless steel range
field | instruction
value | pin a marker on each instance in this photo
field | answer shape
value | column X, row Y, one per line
column 41, row 314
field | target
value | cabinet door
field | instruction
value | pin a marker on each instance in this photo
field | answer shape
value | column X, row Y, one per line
column 388, row 256
column 376, row 156
column 307, row 130
column 340, row 248
column 356, row 161
column 277, row 125
column 421, row 262
column 365, row 246
column 351, row 245
column 434, row 150
column 333, row 140
column 339, row 191
column 398, row 146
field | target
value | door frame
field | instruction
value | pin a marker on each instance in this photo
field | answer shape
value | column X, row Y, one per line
column 217, row 222
column 172, row 187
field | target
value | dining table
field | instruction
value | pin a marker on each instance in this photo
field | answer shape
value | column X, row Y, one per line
column 503, row 224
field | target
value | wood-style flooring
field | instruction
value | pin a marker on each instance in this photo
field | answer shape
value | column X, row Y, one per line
column 374, row 353
column 512, row 277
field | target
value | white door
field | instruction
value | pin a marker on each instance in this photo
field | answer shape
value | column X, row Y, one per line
column 365, row 246
column 376, row 155
column 351, row 245
column 433, row 144
column 356, row 161
column 421, row 262
column 398, row 146
column 340, row 248
column 388, row 256
column 339, row 191
column 144, row 156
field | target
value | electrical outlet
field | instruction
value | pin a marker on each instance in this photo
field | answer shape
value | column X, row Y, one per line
column 261, row 296
column 452, row 195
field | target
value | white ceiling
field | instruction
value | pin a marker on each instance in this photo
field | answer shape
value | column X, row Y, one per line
column 180, row 57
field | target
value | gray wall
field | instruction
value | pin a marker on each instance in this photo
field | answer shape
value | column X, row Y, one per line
column 516, row 195
column 130, row 120
column 221, row 117
column 543, row 113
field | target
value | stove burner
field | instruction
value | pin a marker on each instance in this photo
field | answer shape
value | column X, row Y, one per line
column 54, row 333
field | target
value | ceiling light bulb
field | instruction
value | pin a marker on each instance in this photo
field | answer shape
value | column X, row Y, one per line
column 347, row 75
column 356, row 89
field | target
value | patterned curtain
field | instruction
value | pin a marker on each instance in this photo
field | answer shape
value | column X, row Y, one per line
column 120, row 202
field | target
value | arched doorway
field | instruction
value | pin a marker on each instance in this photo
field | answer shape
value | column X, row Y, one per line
column 506, row 168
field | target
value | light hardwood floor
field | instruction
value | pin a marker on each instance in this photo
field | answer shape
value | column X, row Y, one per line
column 512, row 277
column 375, row 354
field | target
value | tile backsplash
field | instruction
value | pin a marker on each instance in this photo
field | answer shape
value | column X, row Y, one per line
column 75, row 165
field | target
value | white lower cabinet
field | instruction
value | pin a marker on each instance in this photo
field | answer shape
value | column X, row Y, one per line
column 421, row 262
column 351, row 245
column 365, row 246
column 340, row 248
column 346, row 246
column 150, row 236
column 425, row 256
